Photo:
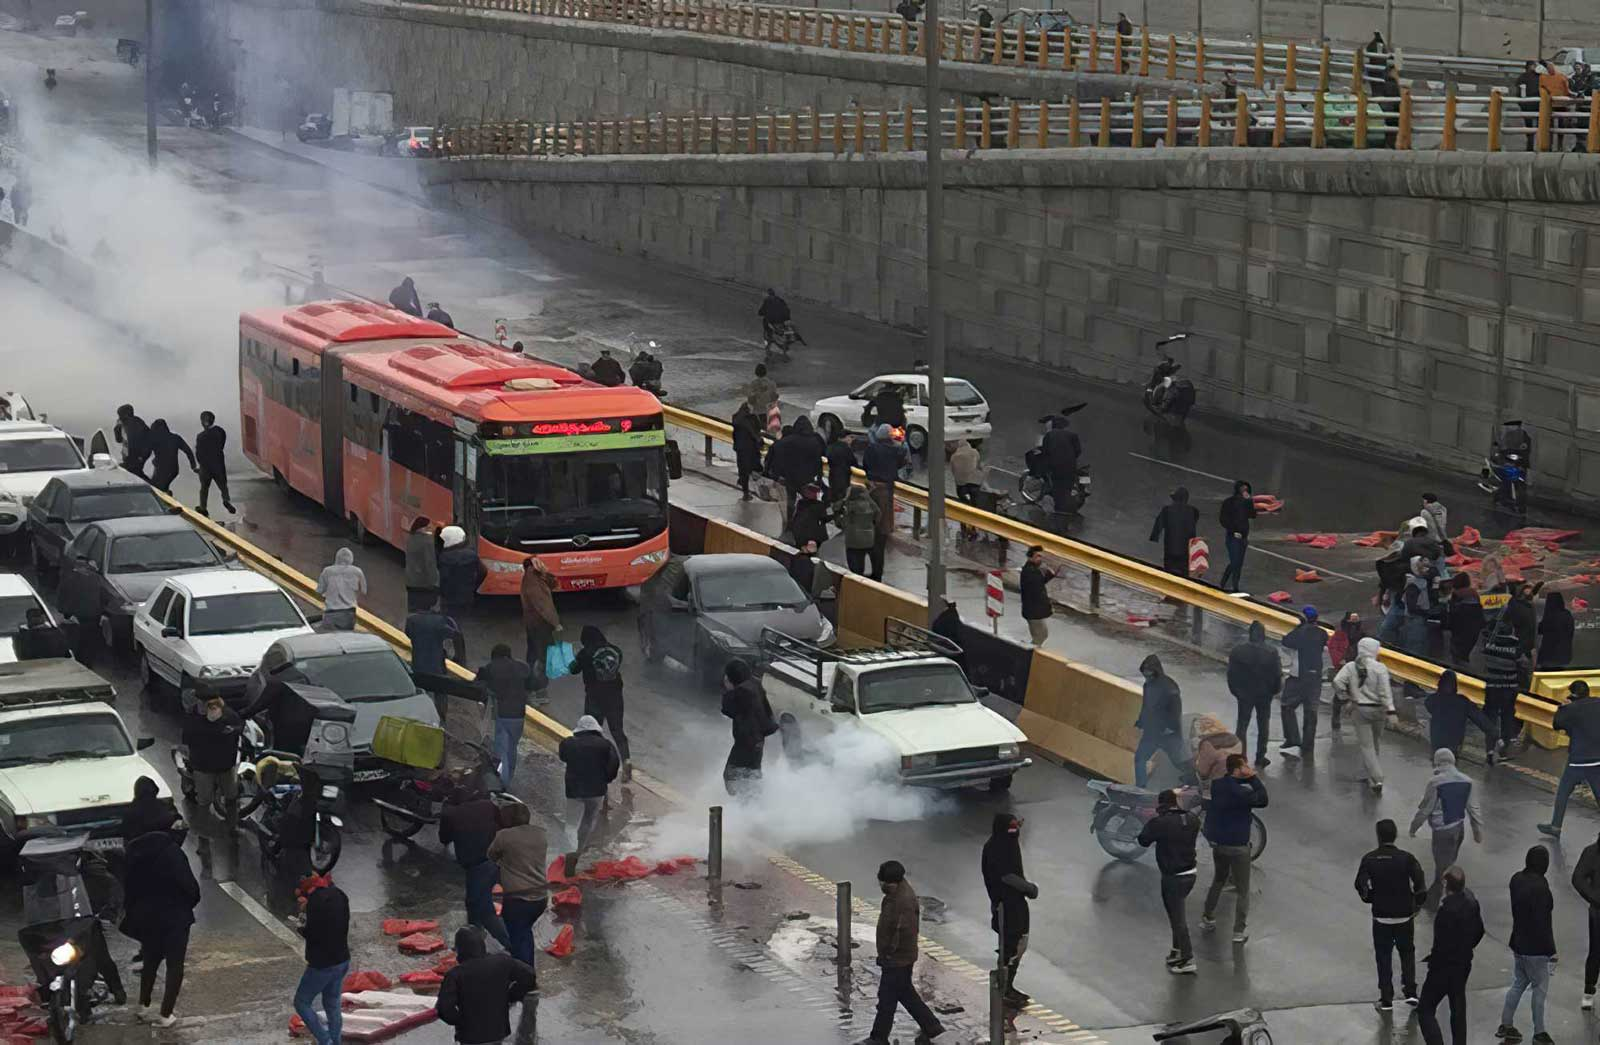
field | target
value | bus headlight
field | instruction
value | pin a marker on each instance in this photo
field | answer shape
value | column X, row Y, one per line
column 650, row 558
column 499, row 566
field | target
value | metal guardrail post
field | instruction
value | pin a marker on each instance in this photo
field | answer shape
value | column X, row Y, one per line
column 1094, row 589
column 1196, row 625
column 708, row 450
column 916, row 521
column 1594, row 123
column 842, row 927
column 714, row 851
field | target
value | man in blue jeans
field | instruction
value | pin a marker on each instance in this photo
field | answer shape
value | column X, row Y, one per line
column 327, row 932
column 506, row 682
column 469, row 823
column 1160, row 720
column 1579, row 718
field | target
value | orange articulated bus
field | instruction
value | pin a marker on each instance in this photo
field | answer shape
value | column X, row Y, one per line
column 384, row 418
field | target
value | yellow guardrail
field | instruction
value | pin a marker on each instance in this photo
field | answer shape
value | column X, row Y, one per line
column 1535, row 710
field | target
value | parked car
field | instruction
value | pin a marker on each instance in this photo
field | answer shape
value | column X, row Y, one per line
column 17, row 597
column 1566, row 59
column 966, row 411
column 316, row 127
column 1339, row 119
column 361, row 668
column 1053, row 23
column 715, row 607
column 31, row 454
column 111, row 567
column 409, row 142
column 203, row 633
column 72, row 500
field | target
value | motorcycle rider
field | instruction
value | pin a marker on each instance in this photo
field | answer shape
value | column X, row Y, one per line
column 1062, row 448
column 1510, row 438
column 774, row 313
column 607, row 371
column 645, row 372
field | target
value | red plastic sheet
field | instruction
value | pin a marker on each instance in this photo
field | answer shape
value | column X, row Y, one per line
column 561, row 946
column 1279, row 597
column 446, row 962
column 1307, row 576
column 422, row 978
column 1579, row 605
column 1315, row 540
column 674, row 865
column 421, row 943
column 1375, row 538
column 569, row 897
column 1267, row 503
column 407, row 926
column 1469, row 537
column 1542, row 534
column 356, row 982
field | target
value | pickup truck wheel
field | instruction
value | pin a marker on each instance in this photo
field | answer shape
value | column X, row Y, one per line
column 793, row 747
column 1000, row 783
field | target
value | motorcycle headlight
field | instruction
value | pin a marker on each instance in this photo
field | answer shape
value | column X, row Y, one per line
column 1009, row 751
column 908, row 762
column 65, row 954
column 650, row 558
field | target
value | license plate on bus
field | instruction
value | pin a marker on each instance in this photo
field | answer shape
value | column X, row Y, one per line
column 587, row 583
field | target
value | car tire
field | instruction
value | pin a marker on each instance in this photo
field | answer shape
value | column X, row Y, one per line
column 828, row 426
column 794, row 751
column 1001, row 784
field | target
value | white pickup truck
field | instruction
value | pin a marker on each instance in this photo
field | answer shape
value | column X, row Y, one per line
column 910, row 695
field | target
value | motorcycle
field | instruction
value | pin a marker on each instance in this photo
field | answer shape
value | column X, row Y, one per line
column 1239, row 1027
column 59, row 923
column 1121, row 812
column 1166, row 394
column 1035, row 484
column 1505, row 477
column 782, row 336
column 418, row 800
column 279, row 788
column 252, row 747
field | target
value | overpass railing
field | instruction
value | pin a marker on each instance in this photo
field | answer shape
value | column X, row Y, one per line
column 1278, row 120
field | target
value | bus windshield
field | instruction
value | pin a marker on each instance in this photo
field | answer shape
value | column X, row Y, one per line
column 530, row 496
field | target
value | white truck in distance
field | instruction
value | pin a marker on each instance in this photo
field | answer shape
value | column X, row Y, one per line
column 910, row 695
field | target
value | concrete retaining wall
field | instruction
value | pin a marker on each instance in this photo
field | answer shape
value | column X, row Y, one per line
column 1397, row 300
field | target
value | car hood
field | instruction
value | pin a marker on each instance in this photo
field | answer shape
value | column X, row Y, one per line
column 418, row 706
column 247, row 648
column 25, row 486
column 79, row 783
column 137, row 587
column 917, row 731
column 804, row 624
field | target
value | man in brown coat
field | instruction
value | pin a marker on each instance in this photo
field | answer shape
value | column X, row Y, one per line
column 898, row 923
column 540, row 619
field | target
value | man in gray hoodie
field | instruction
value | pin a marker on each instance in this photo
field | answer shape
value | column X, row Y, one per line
column 1448, row 803
column 341, row 587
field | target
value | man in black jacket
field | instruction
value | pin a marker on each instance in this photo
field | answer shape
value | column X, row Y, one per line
column 159, row 897
column 1390, row 880
column 476, row 996
column 211, row 733
column 1235, row 516
column 840, row 460
column 1062, row 448
column 1009, row 892
column 1254, row 677
column 1579, row 719
column 1172, row 831
column 1175, row 527
column 592, row 763
column 327, row 932
column 599, row 661
column 1302, row 690
column 1533, row 944
column 469, row 822
column 208, row 456
column 1036, row 608
column 506, row 682
column 1160, row 723
column 1457, row 928
column 1586, row 880
column 795, row 460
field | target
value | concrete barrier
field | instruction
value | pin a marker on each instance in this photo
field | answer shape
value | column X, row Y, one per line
column 864, row 604
column 1081, row 715
column 723, row 536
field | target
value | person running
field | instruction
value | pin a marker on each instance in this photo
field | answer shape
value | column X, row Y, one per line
column 899, row 922
column 1172, row 831
column 1009, row 892
column 1235, row 516
column 159, row 897
column 477, row 994
column 1579, row 719
column 1255, row 675
column 1364, row 683
column 520, row 849
column 599, row 661
column 1586, row 880
column 422, row 565
column 1449, row 711
column 1390, row 881
column 1160, row 723
column 469, row 822
column 1227, row 828
column 505, row 682
column 1302, row 690
column 1448, row 804
column 165, row 446
column 1533, row 945
column 134, row 435
column 540, row 621
column 208, row 444
column 592, row 764
column 326, row 929
column 1457, row 929
column 341, row 586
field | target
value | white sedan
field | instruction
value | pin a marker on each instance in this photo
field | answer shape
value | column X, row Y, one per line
column 966, row 411
column 203, row 633
column 17, row 597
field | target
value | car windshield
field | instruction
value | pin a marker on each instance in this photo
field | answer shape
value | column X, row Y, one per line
column 124, row 502
column 749, row 590
column 532, row 496
column 142, row 552
column 53, row 454
column 913, row 686
column 960, row 393
column 247, row 611
column 14, row 612
column 375, row 675
column 58, row 739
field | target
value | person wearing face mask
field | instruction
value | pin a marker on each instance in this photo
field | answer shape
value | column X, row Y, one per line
column 1009, row 892
column 211, row 733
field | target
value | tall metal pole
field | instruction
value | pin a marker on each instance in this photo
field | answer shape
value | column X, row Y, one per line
column 935, row 275
column 150, row 79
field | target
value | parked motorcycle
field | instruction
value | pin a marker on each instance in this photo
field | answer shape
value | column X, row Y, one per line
column 252, row 747
column 280, row 788
column 1505, row 477
column 1121, row 812
column 1166, row 395
column 1035, row 484
column 417, row 800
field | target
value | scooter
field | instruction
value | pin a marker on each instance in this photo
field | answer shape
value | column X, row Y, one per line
column 1035, row 484
column 1166, row 394
column 59, row 923
column 417, row 801
column 1121, row 812
column 1505, row 477
column 278, row 794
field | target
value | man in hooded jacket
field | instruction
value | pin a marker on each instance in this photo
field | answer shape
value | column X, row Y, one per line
column 1579, row 719
column 747, row 446
column 600, row 663
column 159, row 897
column 341, row 587
column 1448, row 805
column 1302, row 690
column 1586, row 880
column 134, row 435
column 1173, row 831
column 476, row 996
column 460, row 570
column 1364, row 683
column 796, row 461
column 1235, row 516
column 592, row 764
column 744, row 701
column 540, row 620
column 1448, row 714
column 1009, row 892
column 1254, row 677
column 1175, row 527
column 1160, row 723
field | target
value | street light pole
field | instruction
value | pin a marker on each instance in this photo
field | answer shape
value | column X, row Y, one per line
column 150, row 79
column 935, row 277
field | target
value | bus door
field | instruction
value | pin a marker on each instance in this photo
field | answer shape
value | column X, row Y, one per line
column 464, row 485
column 332, row 431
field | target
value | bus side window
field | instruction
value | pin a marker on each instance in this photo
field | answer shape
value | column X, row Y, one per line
column 438, row 449
column 406, row 447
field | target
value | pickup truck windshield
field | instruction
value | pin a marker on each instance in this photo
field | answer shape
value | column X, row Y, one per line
column 757, row 590
column 913, row 686
column 245, row 612
column 58, row 739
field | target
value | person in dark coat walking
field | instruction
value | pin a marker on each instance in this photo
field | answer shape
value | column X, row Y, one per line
column 1175, row 527
column 744, row 701
column 899, row 922
column 592, row 764
column 428, row 630
column 1448, row 714
column 747, row 429
column 1227, row 828
column 505, row 682
column 326, row 929
column 1235, row 516
column 422, row 565
column 1254, row 677
column 1579, row 719
column 810, row 519
column 1009, row 892
column 1533, row 945
column 1463, row 619
column 165, row 446
column 460, row 571
column 1390, row 881
column 159, row 897
column 147, row 812
column 404, row 297
column 1586, row 880
column 468, row 823
column 1502, row 677
column 841, row 459
column 1556, row 630
column 208, row 453
column 795, row 460
column 599, row 661
column 1036, row 607
column 134, row 435
column 1302, row 690
column 1172, row 831
column 1160, row 723
column 1457, row 929
column 476, row 996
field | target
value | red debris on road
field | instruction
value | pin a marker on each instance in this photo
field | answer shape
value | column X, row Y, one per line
column 561, row 946
column 1307, row 576
column 1280, row 597
column 1375, row 538
column 1542, row 534
column 407, row 926
column 421, row 943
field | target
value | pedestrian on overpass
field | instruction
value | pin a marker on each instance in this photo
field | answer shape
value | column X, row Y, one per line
column 1160, row 723
column 1227, row 828
column 1235, row 515
column 1448, row 804
column 599, row 661
column 422, row 565
column 1255, row 675
column 1533, row 945
column 1172, row 831
column 505, row 681
column 208, row 444
column 540, row 621
column 1302, row 690
column 1390, row 881
column 1579, row 719
column 1457, row 929
column 1175, row 527
column 1036, row 607
column 1364, row 683
column 899, row 922
column 341, row 587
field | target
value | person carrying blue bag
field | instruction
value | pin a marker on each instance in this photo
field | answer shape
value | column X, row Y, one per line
column 600, row 664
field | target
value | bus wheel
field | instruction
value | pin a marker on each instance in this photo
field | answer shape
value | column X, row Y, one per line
column 358, row 530
column 279, row 480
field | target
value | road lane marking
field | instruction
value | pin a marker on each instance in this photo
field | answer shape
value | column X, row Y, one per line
column 268, row 920
column 1181, row 467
